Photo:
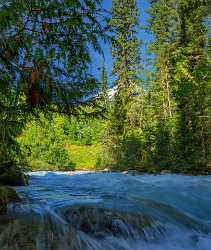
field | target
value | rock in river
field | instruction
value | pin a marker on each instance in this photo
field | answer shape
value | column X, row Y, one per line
column 12, row 175
column 7, row 194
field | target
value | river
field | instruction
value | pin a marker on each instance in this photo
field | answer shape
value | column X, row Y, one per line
column 109, row 211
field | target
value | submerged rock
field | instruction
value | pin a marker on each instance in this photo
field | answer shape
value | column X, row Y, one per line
column 101, row 222
column 7, row 195
column 75, row 228
column 12, row 175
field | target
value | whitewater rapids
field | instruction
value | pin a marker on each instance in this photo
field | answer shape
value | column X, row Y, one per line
column 109, row 211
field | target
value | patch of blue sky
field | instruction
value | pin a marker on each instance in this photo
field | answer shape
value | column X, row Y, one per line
column 144, row 36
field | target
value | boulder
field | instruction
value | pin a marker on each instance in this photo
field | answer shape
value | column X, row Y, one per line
column 99, row 222
column 85, row 227
column 12, row 175
column 7, row 195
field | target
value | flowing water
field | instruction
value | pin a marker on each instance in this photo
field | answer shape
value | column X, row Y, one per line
column 107, row 211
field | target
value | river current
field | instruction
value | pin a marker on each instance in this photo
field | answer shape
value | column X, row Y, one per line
column 109, row 211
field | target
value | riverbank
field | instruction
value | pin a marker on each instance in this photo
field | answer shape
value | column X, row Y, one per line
column 132, row 172
column 88, row 158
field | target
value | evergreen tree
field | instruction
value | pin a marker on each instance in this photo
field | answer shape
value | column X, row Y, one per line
column 192, row 77
column 44, row 50
column 104, row 86
column 126, row 69
column 162, row 26
column 44, row 60
column 182, row 80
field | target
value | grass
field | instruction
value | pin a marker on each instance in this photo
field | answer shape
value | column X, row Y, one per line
column 84, row 157
column 40, row 165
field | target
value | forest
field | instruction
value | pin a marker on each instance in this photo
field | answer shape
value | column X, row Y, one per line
column 56, row 115
column 105, row 124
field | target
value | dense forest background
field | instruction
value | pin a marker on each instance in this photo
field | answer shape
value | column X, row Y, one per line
column 152, row 115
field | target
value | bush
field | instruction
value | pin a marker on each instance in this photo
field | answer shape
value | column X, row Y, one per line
column 85, row 157
column 58, row 156
column 44, row 143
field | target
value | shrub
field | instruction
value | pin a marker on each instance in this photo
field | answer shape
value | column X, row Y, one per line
column 57, row 155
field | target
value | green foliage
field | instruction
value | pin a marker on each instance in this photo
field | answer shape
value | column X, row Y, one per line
column 36, row 57
column 56, row 143
column 85, row 157
column 58, row 156
column 45, row 141
column 12, row 119
column 84, row 131
column 125, row 52
column 181, row 88
column 192, row 76
column 45, row 66
column 167, row 124
column 104, row 98
column 44, row 44
column 131, row 152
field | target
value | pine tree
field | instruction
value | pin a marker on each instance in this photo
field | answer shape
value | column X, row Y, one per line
column 182, row 82
column 162, row 26
column 192, row 78
column 104, row 86
column 126, row 68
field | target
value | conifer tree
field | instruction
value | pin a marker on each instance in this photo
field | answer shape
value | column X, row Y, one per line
column 162, row 26
column 44, row 49
column 126, row 67
column 182, row 82
column 192, row 77
column 44, row 60
column 104, row 86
